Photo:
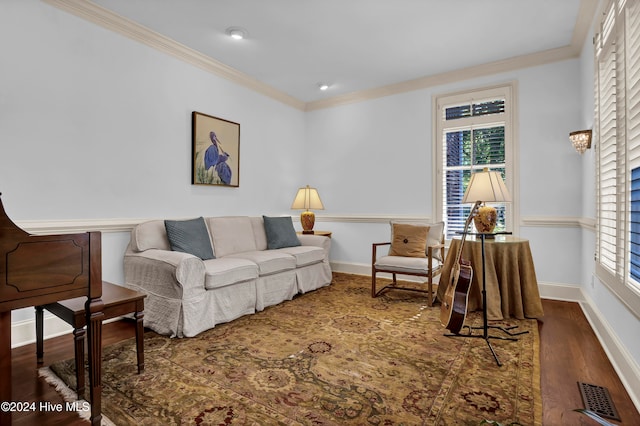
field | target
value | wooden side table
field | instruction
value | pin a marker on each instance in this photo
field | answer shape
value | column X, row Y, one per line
column 118, row 301
column 322, row 233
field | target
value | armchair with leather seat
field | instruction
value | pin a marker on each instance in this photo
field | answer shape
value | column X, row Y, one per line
column 423, row 259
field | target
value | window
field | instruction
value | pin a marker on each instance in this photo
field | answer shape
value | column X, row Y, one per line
column 473, row 131
column 617, row 136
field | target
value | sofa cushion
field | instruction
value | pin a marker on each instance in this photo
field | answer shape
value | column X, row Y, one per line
column 406, row 264
column 305, row 255
column 225, row 271
column 280, row 232
column 149, row 235
column 189, row 236
column 258, row 232
column 268, row 261
column 232, row 234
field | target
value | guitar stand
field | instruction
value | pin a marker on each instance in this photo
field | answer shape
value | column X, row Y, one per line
column 485, row 326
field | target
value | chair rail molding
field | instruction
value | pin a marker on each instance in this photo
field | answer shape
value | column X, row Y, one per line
column 385, row 218
column 127, row 224
column 80, row 225
column 559, row 221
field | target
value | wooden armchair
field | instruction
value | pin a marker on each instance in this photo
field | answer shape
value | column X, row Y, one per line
column 40, row 269
column 429, row 266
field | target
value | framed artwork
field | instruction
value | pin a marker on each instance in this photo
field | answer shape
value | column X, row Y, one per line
column 216, row 151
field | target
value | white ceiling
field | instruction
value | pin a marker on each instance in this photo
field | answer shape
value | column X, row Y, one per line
column 358, row 45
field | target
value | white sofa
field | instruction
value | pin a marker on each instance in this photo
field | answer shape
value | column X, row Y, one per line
column 187, row 295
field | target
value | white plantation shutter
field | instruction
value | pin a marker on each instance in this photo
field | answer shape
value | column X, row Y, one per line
column 632, row 114
column 607, row 162
column 617, row 136
column 632, row 57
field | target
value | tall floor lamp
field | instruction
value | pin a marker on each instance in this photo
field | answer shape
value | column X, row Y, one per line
column 488, row 187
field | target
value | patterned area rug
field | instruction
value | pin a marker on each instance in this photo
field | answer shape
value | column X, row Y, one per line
column 334, row 356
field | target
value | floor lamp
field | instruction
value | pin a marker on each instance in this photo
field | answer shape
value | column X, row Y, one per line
column 487, row 186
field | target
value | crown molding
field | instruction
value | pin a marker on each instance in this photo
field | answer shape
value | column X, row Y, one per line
column 523, row 61
column 586, row 13
column 92, row 12
column 105, row 18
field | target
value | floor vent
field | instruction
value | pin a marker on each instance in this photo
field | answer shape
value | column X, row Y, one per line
column 597, row 399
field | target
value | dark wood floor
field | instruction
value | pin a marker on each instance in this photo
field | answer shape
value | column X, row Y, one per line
column 569, row 353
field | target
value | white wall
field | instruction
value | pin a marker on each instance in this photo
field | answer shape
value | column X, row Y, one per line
column 376, row 158
column 96, row 126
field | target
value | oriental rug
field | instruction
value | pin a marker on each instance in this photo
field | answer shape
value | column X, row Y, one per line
column 334, row 356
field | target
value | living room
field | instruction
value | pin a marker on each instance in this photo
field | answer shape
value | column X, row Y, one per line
column 96, row 135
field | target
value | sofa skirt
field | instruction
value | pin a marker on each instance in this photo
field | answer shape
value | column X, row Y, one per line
column 312, row 277
column 276, row 288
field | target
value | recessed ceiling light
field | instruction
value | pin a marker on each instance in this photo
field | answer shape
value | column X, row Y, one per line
column 323, row 86
column 236, row 33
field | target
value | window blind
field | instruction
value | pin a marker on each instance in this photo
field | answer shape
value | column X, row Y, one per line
column 607, row 162
column 632, row 115
column 617, row 125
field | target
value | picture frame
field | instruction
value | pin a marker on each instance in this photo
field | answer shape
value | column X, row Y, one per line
column 215, row 151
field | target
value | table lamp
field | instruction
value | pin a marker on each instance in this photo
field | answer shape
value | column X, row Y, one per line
column 307, row 198
column 488, row 187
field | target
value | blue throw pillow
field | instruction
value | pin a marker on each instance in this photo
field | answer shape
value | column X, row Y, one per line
column 189, row 236
column 280, row 232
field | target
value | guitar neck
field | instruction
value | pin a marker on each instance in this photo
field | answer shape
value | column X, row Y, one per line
column 466, row 227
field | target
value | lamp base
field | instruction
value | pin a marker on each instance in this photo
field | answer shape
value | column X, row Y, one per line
column 307, row 219
column 485, row 219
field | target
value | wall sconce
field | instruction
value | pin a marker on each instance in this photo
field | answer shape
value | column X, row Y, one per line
column 581, row 140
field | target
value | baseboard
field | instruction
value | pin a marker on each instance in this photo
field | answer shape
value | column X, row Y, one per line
column 624, row 364
column 351, row 268
column 557, row 291
column 24, row 332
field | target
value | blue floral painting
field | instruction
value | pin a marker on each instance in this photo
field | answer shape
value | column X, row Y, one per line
column 216, row 149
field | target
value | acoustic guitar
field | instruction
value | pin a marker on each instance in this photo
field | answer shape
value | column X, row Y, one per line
column 453, row 310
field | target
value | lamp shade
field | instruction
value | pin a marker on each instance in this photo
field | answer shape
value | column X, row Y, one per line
column 307, row 198
column 486, row 186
